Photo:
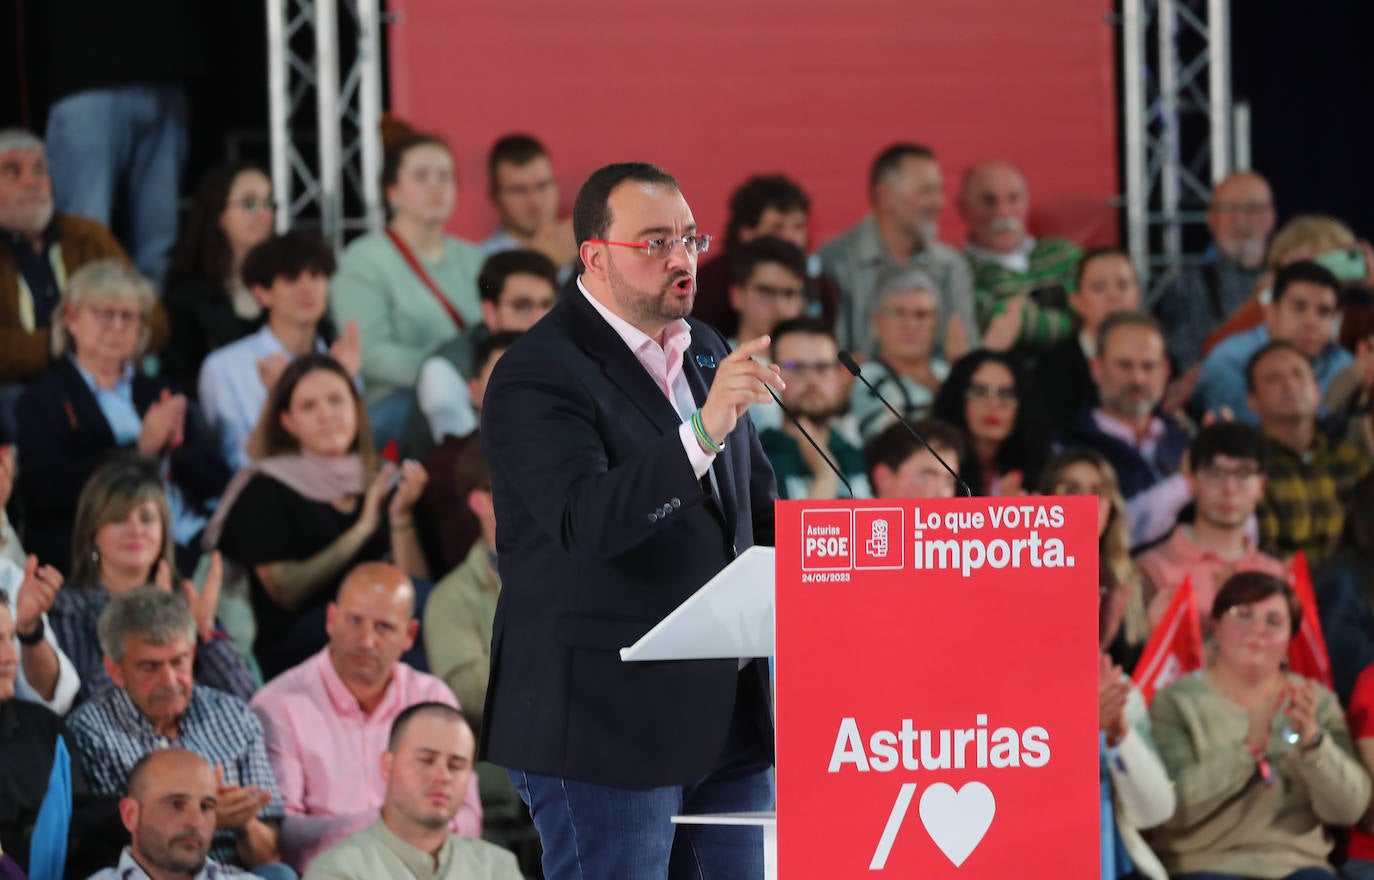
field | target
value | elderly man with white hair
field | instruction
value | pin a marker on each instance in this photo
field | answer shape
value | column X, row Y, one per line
column 39, row 250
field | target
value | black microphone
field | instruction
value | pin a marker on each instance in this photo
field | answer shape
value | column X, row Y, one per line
column 809, row 438
column 853, row 366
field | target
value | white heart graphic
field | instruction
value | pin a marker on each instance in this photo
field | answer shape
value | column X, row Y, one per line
column 957, row 821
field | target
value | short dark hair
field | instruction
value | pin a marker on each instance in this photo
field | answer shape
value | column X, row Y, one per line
column 499, row 267
column 431, row 707
column 745, row 258
column 513, row 149
column 1249, row 587
column 1308, row 271
column 894, row 444
column 806, row 325
column 287, row 256
column 890, row 159
column 1096, row 254
column 1265, row 350
column 1125, row 319
column 592, row 208
column 1231, row 439
column 491, row 345
column 758, row 194
column 396, row 153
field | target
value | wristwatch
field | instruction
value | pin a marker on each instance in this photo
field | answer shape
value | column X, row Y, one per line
column 32, row 638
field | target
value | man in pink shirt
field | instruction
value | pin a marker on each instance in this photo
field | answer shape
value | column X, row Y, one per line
column 1227, row 483
column 327, row 720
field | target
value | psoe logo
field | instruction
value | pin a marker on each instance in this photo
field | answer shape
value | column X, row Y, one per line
column 827, row 540
column 878, row 538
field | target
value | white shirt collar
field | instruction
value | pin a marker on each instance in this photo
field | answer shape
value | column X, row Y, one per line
column 1016, row 261
column 633, row 337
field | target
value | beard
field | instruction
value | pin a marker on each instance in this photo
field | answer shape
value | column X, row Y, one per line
column 28, row 220
column 1132, row 401
column 815, row 408
column 645, row 308
column 1246, row 252
column 158, row 850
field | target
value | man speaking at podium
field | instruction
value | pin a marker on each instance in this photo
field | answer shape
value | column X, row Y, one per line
column 625, row 474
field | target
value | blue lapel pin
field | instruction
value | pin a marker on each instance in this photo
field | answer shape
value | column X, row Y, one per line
column 707, row 361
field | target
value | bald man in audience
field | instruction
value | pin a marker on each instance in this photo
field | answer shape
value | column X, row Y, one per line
column 332, row 714
column 1015, row 274
column 427, row 769
column 170, row 813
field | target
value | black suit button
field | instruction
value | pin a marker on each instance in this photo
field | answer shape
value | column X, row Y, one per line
column 676, row 502
column 653, row 517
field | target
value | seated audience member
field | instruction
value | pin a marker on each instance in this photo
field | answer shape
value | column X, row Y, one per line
column 45, row 675
column 1134, row 789
column 1145, row 447
column 1009, row 263
column 40, row 251
column 170, row 814
column 121, row 541
column 1226, row 481
column 1303, row 312
column 412, row 287
column 208, row 302
column 427, row 767
column 1344, row 586
column 289, row 277
column 148, row 637
column 764, row 205
column 804, row 349
column 905, row 312
column 1304, row 237
column 94, row 401
column 447, row 526
column 518, row 288
column 1308, row 477
column 41, row 771
column 312, row 504
column 335, row 711
column 1351, row 392
column 767, row 285
column 524, row 191
column 1359, row 863
column 982, row 397
column 1105, row 284
column 900, row 466
column 906, row 192
column 1261, row 759
column 1197, row 300
column 1122, row 625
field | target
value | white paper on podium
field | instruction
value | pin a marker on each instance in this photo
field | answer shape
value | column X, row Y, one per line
column 731, row 616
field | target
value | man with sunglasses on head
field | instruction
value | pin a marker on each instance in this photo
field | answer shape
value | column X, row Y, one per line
column 804, row 349
column 625, row 475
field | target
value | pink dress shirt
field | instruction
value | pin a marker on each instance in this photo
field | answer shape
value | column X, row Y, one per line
column 1164, row 567
column 327, row 754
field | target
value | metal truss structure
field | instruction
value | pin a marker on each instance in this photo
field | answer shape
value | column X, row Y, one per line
column 1176, row 78
column 335, row 187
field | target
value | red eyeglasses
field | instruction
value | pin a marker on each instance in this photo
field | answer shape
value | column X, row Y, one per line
column 660, row 248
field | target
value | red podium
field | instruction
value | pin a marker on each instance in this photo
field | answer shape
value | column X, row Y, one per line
column 936, row 684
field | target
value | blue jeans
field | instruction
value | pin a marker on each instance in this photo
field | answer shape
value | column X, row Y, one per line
column 122, row 145
column 594, row 832
column 1358, row 869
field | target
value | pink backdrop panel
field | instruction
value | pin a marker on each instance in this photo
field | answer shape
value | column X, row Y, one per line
column 715, row 90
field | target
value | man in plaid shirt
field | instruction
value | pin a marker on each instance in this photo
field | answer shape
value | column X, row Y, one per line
column 1309, row 475
column 149, row 638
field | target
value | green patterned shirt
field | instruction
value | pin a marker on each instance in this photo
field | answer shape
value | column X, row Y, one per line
column 1052, row 262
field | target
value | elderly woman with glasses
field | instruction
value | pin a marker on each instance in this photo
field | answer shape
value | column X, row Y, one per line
column 1261, row 759
column 983, row 397
column 95, row 401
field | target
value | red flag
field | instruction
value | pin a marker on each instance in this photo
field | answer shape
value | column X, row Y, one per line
column 1307, row 654
column 1175, row 647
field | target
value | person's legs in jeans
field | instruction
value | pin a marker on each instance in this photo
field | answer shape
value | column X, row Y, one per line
column 590, row 831
column 1358, row 869
column 153, row 178
column 87, row 144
